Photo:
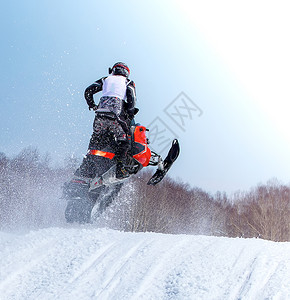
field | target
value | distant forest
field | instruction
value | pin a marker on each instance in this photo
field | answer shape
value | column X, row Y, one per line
column 31, row 190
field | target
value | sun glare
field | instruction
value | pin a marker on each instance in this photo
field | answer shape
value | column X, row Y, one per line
column 252, row 40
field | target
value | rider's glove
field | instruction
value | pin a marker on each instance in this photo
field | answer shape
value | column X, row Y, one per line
column 95, row 107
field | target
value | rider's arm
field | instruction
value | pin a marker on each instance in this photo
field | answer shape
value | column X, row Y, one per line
column 94, row 88
column 131, row 99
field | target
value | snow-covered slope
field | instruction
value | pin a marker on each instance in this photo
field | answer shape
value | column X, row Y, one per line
column 89, row 263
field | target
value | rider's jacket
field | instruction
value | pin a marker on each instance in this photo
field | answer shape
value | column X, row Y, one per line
column 118, row 96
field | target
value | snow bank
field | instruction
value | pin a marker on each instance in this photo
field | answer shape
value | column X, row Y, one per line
column 88, row 263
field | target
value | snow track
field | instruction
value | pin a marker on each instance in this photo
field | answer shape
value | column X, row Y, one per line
column 89, row 263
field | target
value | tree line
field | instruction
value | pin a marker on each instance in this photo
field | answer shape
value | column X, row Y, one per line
column 30, row 195
column 30, row 190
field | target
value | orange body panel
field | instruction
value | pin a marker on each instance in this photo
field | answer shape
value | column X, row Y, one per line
column 140, row 137
column 101, row 153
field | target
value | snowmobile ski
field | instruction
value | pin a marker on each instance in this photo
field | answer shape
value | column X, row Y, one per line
column 164, row 166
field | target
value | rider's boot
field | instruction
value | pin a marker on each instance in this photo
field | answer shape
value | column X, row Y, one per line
column 121, row 172
column 121, row 156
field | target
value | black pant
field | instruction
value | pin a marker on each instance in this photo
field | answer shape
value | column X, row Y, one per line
column 103, row 128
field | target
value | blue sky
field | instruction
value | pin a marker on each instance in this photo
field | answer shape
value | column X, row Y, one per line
column 231, row 60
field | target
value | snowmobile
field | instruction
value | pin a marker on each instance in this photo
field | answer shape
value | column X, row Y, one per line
column 95, row 184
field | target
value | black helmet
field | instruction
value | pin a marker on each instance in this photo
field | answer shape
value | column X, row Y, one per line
column 120, row 68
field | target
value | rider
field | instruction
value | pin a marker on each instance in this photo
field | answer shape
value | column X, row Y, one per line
column 115, row 110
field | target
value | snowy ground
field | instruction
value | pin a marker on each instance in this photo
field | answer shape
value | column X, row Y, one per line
column 88, row 263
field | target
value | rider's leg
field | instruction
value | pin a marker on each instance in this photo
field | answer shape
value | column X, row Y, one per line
column 121, row 157
column 121, row 153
